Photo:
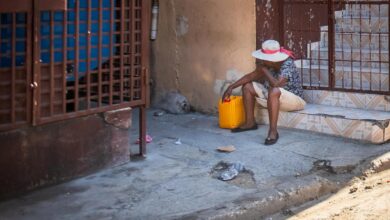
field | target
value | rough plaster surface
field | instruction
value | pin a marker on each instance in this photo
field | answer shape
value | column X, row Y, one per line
column 174, row 181
column 221, row 85
column 33, row 157
column 199, row 44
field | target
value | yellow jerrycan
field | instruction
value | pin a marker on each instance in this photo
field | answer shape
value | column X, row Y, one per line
column 231, row 112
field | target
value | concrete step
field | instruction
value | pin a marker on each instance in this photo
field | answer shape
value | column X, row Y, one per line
column 363, row 24
column 346, row 77
column 358, row 124
column 356, row 40
column 357, row 57
column 364, row 10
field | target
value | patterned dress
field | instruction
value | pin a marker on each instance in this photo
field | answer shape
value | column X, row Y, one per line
column 289, row 71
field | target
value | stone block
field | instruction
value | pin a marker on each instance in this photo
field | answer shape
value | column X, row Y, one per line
column 120, row 118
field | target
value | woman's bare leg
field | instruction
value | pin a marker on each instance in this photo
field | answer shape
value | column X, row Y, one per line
column 273, row 104
column 249, row 94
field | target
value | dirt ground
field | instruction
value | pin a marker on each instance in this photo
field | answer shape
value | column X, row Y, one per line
column 363, row 198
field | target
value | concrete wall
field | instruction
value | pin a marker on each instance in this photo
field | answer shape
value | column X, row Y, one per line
column 34, row 157
column 201, row 46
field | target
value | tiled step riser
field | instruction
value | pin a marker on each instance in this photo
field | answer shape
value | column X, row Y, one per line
column 354, row 129
column 364, row 10
column 348, row 100
column 366, row 24
column 359, row 59
column 361, row 80
column 357, row 41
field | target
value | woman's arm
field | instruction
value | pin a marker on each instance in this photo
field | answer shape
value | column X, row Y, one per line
column 252, row 76
column 280, row 82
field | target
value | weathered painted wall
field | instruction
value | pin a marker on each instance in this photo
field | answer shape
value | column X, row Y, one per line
column 201, row 46
column 34, row 157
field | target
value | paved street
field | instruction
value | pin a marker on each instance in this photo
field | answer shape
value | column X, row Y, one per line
column 176, row 180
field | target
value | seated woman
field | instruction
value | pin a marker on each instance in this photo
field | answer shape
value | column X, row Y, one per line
column 275, row 85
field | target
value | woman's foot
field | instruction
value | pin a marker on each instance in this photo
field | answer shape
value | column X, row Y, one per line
column 272, row 138
column 244, row 128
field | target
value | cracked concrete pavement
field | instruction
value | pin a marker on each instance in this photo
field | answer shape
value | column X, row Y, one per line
column 175, row 180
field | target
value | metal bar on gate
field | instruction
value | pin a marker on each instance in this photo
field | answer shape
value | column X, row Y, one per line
column 100, row 58
column 281, row 22
column 64, row 60
column 145, row 48
column 51, row 63
column 388, row 46
column 13, row 70
column 112, row 25
column 0, row 37
column 88, row 112
column 142, row 130
column 360, row 47
column 369, row 63
column 132, row 47
column 331, row 42
column 302, row 52
column 77, row 57
column 310, row 51
column 88, row 73
column 35, row 85
column 122, row 46
column 342, row 53
column 319, row 58
column 144, row 64
column 379, row 48
column 351, row 49
column 28, row 63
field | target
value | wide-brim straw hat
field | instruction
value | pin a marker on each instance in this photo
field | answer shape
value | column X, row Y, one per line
column 271, row 51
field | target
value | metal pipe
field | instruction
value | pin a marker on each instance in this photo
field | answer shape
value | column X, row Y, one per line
column 154, row 26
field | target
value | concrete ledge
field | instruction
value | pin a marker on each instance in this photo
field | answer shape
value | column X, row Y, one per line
column 375, row 165
column 364, row 125
column 260, row 204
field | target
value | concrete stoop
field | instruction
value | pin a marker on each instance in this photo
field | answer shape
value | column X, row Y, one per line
column 361, row 117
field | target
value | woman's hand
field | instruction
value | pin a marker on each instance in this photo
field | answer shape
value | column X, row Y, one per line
column 226, row 95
